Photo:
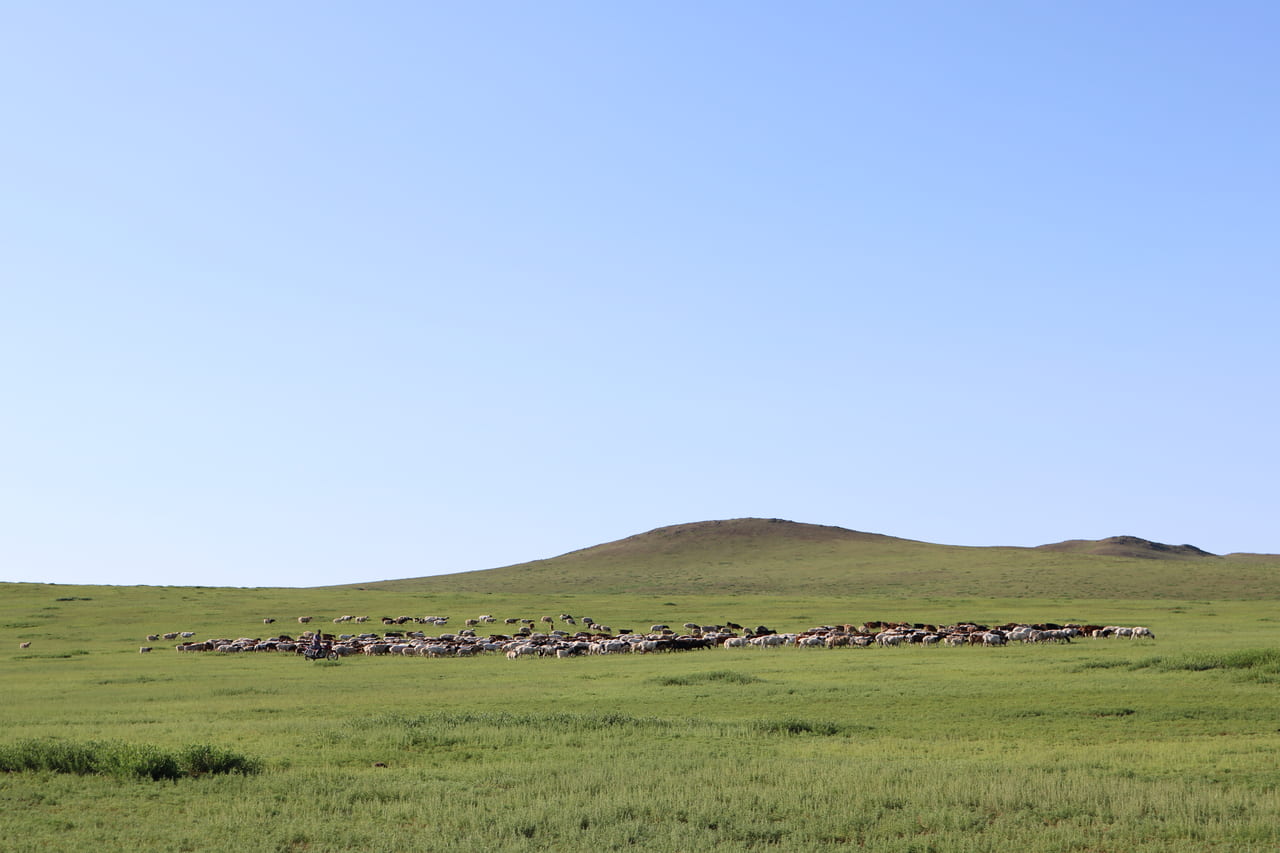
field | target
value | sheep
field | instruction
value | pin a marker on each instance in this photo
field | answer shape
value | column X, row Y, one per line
column 302, row 620
column 25, row 645
column 142, row 650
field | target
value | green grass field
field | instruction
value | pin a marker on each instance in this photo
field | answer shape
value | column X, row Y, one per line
column 1101, row 745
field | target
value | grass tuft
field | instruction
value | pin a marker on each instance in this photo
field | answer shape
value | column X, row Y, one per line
column 469, row 720
column 121, row 760
column 726, row 676
column 797, row 727
column 1267, row 660
column 201, row 758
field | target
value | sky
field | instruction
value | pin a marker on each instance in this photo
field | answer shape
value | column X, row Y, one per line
column 304, row 294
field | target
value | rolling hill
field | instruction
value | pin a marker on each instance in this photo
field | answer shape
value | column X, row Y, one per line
column 1127, row 546
column 757, row 556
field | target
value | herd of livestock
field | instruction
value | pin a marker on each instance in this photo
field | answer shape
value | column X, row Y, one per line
column 518, row 637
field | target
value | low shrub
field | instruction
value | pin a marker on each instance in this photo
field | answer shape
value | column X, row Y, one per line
column 121, row 760
column 199, row 759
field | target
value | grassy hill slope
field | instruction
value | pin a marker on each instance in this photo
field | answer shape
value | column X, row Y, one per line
column 752, row 556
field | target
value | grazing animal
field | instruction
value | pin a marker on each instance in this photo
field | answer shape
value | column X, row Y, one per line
column 143, row 650
column 25, row 645
column 267, row 621
column 302, row 620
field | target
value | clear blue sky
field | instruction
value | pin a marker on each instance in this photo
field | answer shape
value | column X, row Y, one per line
column 309, row 293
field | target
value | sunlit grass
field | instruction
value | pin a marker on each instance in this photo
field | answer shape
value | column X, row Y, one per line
column 1098, row 745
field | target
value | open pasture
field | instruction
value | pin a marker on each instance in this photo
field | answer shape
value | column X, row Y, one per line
column 1098, row 745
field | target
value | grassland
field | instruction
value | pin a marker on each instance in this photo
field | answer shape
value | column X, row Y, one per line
column 1100, row 745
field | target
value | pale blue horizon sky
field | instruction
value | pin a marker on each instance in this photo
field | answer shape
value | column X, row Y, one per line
column 301, row 295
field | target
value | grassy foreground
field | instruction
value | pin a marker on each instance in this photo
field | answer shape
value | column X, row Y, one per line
column 1106, row 745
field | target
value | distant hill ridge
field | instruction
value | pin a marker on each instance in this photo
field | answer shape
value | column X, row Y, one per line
column 773, row 556
column 1128, row 546
column 702, row 532
column 780, row 528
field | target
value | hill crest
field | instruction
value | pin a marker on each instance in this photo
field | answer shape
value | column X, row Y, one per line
column 773, row 556
column 740, row 530
column 1128, row 546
